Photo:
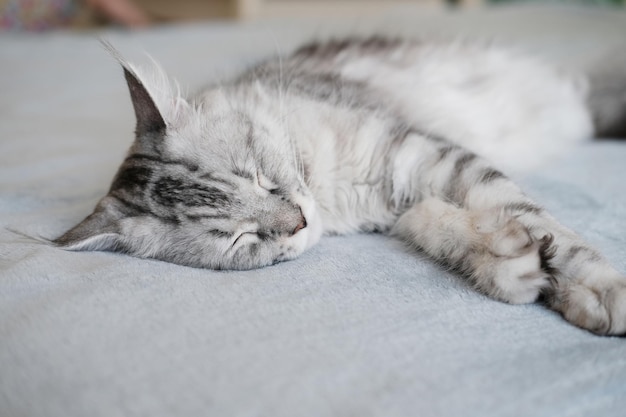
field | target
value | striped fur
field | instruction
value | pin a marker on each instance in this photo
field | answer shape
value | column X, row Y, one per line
column 360, row 135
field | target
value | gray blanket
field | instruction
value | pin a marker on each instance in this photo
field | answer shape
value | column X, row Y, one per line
column 358, row 326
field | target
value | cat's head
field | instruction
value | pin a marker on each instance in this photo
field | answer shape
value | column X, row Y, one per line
column 213, row 184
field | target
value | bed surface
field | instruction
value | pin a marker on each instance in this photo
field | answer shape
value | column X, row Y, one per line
column 357, row 326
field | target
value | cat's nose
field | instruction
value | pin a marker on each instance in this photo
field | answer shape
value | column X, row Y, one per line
column 300, row 225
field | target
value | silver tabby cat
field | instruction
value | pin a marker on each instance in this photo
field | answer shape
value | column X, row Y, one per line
column 363, row 135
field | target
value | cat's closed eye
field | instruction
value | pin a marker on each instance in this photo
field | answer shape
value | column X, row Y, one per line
column 245, row 237
column 266, row 183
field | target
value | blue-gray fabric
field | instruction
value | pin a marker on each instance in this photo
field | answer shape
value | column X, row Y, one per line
column 357, row 326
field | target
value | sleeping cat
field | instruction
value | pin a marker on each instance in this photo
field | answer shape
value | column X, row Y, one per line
column 361, row 135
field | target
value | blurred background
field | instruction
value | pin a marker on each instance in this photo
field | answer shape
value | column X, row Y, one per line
column 43, row 15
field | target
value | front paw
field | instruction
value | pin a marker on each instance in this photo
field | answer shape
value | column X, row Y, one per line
column 597, row 305
column 511, row 265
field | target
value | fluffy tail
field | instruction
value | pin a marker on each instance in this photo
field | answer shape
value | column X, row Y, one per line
column 607, row 96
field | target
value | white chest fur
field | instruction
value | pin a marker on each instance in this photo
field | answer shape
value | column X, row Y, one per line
column 347, row 158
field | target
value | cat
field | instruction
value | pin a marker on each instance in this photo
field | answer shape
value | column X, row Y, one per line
column 362, row 135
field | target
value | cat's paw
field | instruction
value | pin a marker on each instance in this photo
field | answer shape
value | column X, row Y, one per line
column 491, row 247
column 598, row 305
column 508, row 263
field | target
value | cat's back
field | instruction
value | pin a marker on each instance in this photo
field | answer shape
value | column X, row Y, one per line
column 504, row 105
column 331, row 57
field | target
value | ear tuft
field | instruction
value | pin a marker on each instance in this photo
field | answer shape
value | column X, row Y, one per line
column 146, row 104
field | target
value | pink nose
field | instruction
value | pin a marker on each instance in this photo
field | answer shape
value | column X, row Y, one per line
column 300, row 226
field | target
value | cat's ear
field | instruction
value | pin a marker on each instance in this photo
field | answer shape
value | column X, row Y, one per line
column 149, row 118
column 99, row 231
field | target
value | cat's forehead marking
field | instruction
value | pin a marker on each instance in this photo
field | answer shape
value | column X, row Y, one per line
column 132, row 177
column 162, row 161
column 173, row 191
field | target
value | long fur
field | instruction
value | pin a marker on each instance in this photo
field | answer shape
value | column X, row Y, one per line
column 375, row 135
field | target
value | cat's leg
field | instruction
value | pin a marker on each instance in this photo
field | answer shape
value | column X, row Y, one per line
column 473, row 218
column 491, row 248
